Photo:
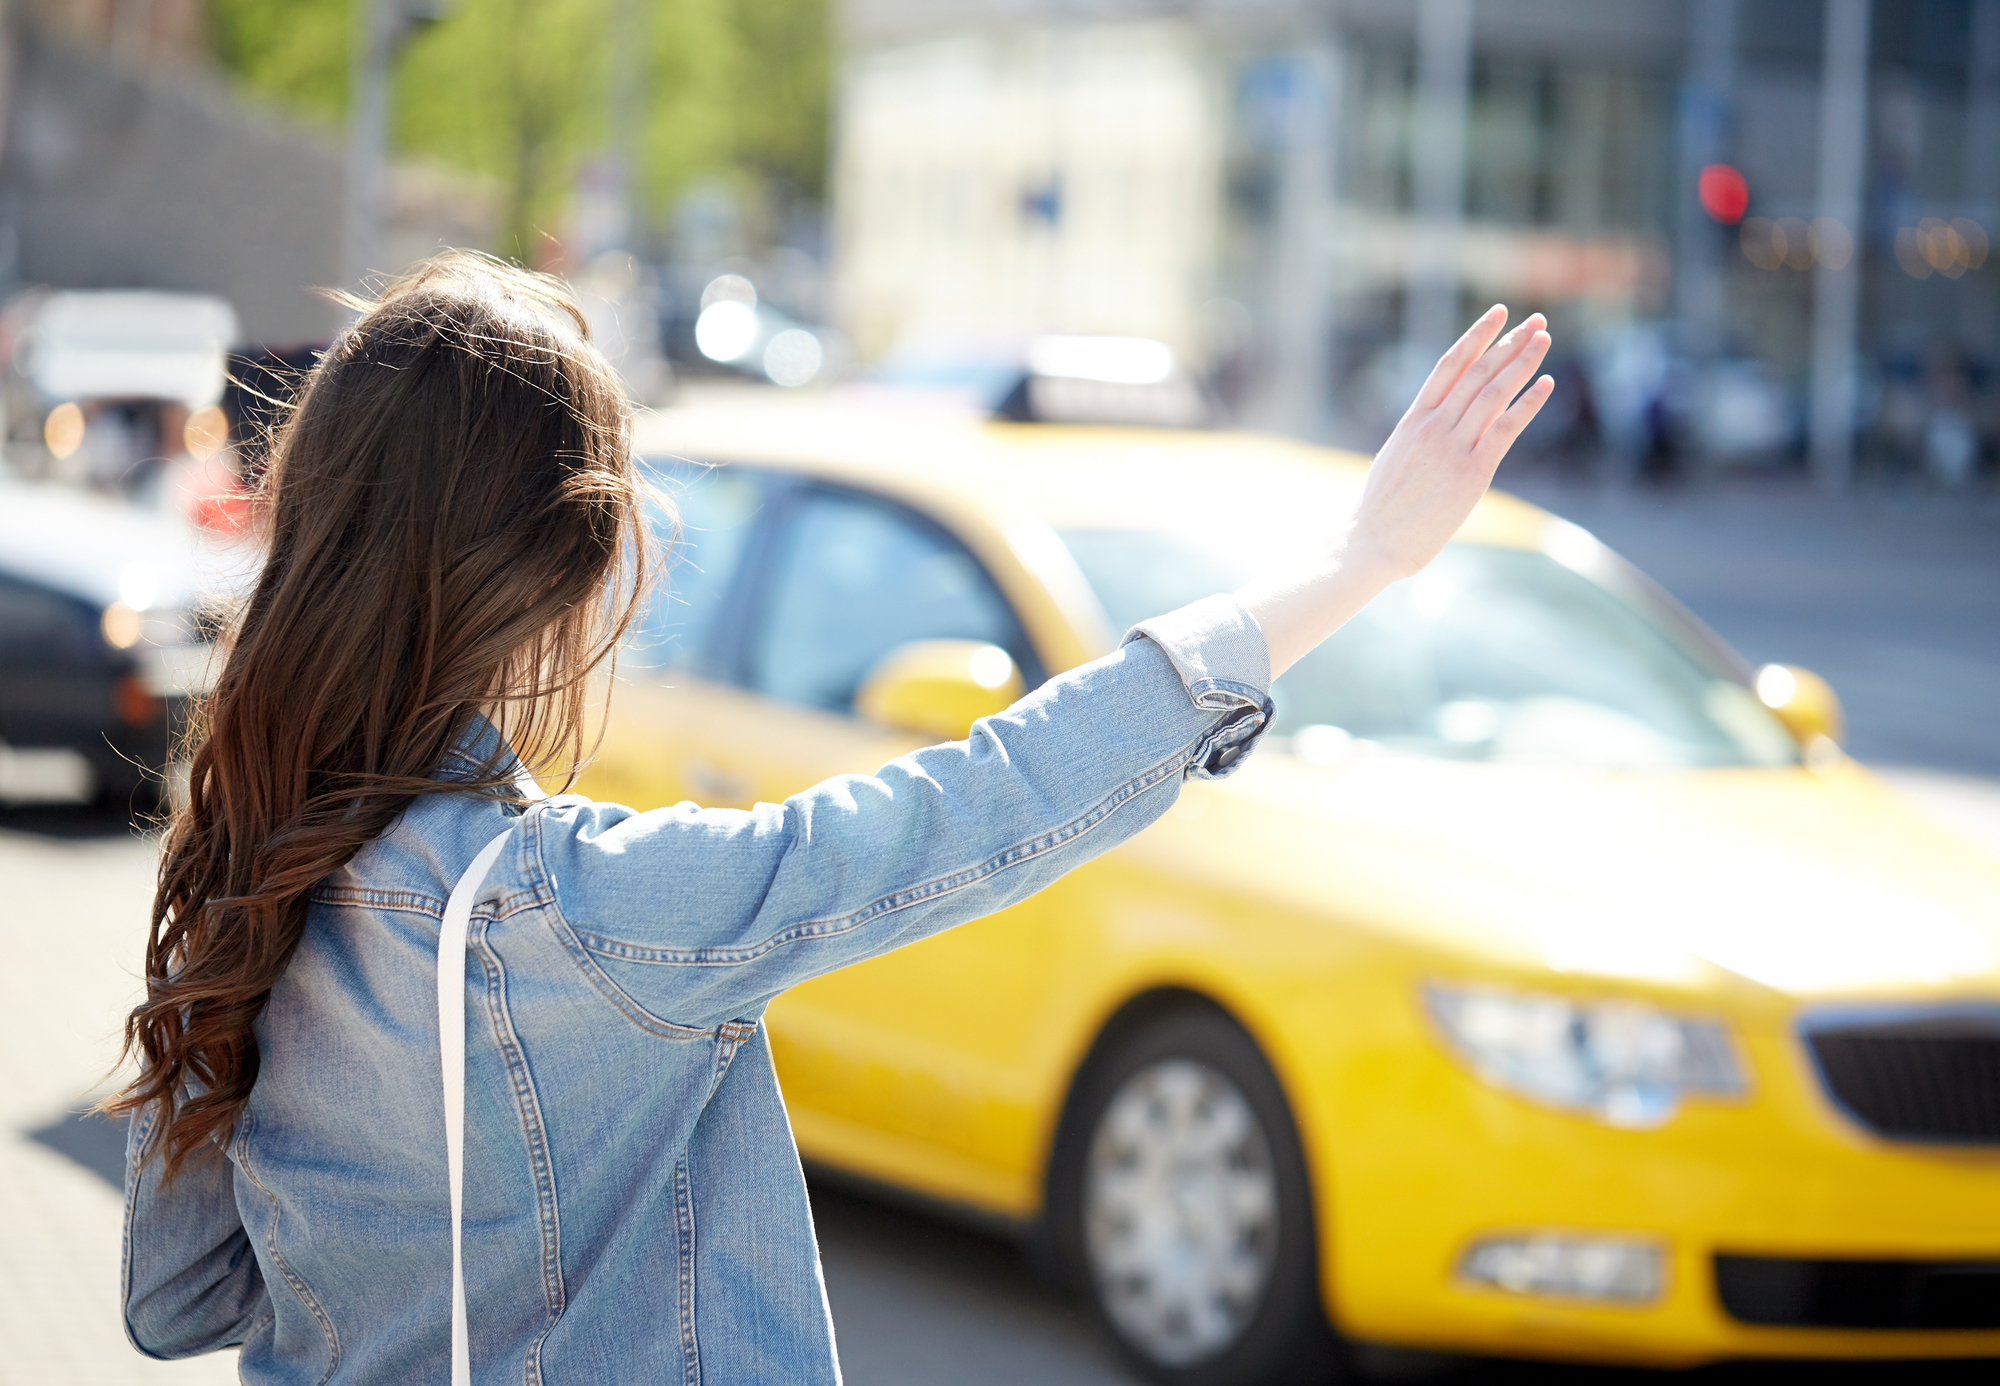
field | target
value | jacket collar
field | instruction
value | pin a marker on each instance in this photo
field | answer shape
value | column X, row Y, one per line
column 479, row 746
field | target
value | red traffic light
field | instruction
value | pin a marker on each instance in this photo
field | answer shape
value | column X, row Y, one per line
column 1724, row 193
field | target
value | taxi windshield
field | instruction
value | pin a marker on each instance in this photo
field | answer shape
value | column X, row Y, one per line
column 1489, row 654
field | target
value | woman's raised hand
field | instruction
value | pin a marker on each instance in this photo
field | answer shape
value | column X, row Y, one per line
column 1424, row 482
column 1442, row 456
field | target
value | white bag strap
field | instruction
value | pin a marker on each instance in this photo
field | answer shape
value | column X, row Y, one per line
column 451, row 1051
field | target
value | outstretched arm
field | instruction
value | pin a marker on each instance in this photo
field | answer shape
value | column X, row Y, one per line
column 702, row 915
column 1425, row 481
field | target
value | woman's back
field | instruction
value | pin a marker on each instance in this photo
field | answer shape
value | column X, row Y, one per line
column 586, row 1151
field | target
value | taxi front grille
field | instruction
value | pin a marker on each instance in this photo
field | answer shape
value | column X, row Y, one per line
column 1931, row 1078
column 1786, row 1293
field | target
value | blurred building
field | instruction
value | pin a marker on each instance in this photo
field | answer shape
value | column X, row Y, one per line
column 127, row 165
column 193, row 222
column 1304, row 199
column 127, row 162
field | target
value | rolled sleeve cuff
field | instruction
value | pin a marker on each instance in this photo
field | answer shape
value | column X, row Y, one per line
column 1224, row 663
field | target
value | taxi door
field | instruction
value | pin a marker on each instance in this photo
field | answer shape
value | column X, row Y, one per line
column 671, row 702
column 914, row 1067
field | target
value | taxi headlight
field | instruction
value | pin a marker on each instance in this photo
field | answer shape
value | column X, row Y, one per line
column 1624, row 1062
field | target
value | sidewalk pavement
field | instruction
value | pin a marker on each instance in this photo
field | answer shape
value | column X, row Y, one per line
column 71, row 933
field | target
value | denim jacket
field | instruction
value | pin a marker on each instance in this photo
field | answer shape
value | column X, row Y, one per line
column 634, row 1207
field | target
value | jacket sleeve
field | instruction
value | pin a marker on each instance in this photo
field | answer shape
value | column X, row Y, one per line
column 191, row 1281
column 703, row 915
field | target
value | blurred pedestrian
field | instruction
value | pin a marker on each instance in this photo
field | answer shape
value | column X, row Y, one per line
column 1951, row 435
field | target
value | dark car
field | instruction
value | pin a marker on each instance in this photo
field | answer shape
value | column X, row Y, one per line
column 105, row 612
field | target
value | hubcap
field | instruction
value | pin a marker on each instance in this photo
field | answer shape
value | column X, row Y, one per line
column 1180, row 1212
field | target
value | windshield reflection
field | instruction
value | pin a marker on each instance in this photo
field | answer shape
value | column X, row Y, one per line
column 1489, row 654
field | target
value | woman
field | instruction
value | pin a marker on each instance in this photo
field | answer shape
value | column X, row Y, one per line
column 456, row 542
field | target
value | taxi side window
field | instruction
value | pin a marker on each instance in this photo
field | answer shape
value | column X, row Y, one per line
column 853, row 578
column 681, row 626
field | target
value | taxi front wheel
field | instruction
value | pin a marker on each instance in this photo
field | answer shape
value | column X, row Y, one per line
column 1179, row 1203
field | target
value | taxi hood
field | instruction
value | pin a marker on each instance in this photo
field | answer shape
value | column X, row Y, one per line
column 1808, row 883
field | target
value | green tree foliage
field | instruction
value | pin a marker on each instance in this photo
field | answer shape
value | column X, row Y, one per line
column 519, row 90
column 514, row 89
column 293, row 52
column 780, row 126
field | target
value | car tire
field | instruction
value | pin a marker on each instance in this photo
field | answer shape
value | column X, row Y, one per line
column 1179, row 1205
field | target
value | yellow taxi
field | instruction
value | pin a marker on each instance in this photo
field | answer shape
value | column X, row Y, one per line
column 1548, row 984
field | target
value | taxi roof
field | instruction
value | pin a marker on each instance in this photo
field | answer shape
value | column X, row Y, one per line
column 1071, row 476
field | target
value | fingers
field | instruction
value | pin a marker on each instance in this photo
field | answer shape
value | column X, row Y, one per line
column 1504, row 383
column 1467, row 349
column 1483, row 371
column 1519, row 415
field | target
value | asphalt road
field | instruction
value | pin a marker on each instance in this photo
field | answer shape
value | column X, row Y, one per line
column 1896, row 599
column 1893, row 596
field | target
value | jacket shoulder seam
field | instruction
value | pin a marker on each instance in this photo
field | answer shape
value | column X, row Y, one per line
column 372, row 897
column 601, row 981
column 415, row 901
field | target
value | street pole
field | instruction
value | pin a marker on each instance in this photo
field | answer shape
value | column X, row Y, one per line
column 1982, row 116
column 1704, row 140
column 1705, row 102
column 1437, row 158
column 1297, row 289
column 1843, row 161
column 628, row 39
column 1982, row 147
column 381, row 28
column 376, row 23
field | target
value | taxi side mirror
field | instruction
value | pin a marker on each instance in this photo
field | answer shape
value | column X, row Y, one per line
column 1803, row 701
column 939, row 687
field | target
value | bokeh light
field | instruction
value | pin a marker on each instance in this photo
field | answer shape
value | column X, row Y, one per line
column 727, row 327
column 1775, row 685
column 725, row 330
column 793, row 357
column 1762, row 245
column 206, row 433
column 1795, row 239
column 1789, row 242
column 122, row 626
column 62, row 431
column 1936, row 246
column 729, row 288
column 1724, row 192
column 1973, row 235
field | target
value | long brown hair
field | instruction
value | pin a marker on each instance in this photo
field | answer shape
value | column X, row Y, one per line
column 455, row 527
